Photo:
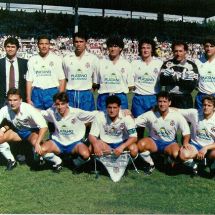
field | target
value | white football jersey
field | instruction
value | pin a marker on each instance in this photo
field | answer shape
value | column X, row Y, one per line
column 27, row 118
column 203, row 130
column 206, row 82
column 45, row 72
column 80, row 71
column 70, row 128
column 113, row 132
column 114, row 78
column 163, row 128
column 146, row 76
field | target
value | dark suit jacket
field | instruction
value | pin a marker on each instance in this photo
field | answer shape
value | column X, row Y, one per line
column 22, row 65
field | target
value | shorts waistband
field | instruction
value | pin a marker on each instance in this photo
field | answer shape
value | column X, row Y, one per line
column 205, row 94
column 51, row 88
column 111, row 94
column 78, row 90
column 137, row 94
column 183, row 94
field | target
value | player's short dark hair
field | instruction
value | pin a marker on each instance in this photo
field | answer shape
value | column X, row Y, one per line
column 13, row 41
column 14, row 91
column 43, row 37
column 62, row 96
column 147, row 41
column 113, row 100
column 209, row 98
column 209, row 40
column 164, row 94
column 179, row 43
column 115, row 40
column 81, row 35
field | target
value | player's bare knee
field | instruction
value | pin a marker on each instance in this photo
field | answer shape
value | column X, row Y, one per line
column 133, row 150
column 85, row 154
column 141, row 145
column 174, row 154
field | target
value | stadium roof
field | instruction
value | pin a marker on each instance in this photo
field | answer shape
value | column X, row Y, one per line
column 195, row 8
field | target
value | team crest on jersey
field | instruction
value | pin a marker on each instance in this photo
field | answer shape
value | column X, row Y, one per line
column 73, row 121
column 169, row 64
column 122, row 70
column 122, row 126
column 105, row 128
column 79, row 70
column 139, row 68
column 51, row 64
column 172, row 123
column 213, row 129
column 156, row 71
column 87, row 65
column 112, row 129
column 71, row 63
column 146, row 73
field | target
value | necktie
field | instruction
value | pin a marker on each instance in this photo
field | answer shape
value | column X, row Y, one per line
column 11, row 75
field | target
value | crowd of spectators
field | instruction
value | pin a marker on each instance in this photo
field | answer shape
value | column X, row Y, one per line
column 63, row 45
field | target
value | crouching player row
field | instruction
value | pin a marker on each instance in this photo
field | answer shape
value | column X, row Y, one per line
column 112, row 131
column 115, row 130
column 163, row 125
column 23, row 123
column 202, row 144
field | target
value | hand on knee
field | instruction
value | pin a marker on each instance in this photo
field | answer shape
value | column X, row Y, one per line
column 184, row 155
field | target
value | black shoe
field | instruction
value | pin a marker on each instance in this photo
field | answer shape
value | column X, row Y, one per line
column 21, row 159
column 149, row 169
column 57, row 168
column 11, row 165
column 194, row 172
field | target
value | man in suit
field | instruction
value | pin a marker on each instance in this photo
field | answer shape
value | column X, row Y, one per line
column 13, row 71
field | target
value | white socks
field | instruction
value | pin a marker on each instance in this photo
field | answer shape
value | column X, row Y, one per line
column 147, row 158
column 53, row 158
column 5, row 150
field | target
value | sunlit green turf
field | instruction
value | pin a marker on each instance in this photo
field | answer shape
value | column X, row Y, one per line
column 25, row 191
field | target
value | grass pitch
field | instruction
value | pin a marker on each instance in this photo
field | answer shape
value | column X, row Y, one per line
column 25, row 191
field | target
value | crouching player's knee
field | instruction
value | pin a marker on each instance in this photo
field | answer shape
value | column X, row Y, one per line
column 133, row 150
column 84, row 151
column 184, row 154
column 141, row 145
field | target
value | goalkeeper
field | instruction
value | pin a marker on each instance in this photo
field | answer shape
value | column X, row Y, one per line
column 179, row 76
